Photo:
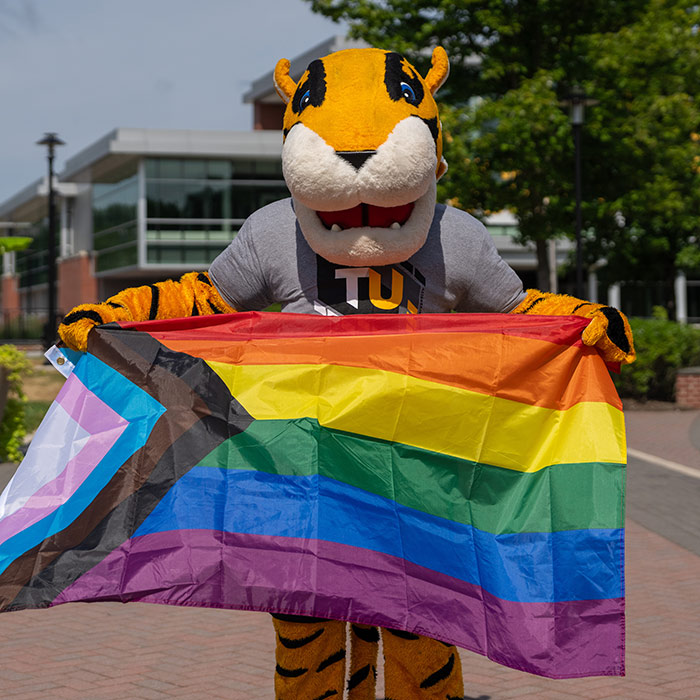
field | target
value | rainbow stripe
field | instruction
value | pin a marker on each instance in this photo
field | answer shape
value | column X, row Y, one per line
column 460, row 477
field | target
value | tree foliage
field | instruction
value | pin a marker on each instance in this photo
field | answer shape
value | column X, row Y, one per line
column 508, row 139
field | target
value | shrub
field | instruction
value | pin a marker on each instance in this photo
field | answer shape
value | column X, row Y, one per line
column 12, row 429
column 663, row 347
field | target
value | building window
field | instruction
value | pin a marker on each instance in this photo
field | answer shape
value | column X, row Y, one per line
column 114, row 217
column 195, row 206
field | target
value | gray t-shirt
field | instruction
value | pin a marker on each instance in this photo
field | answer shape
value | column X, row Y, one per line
column 457, row 269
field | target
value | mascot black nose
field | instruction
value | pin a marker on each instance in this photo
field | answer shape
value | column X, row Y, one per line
column 356, row 158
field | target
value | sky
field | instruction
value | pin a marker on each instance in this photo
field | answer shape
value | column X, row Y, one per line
column 84, row 67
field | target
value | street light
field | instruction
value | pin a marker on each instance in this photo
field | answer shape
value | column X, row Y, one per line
column 51, row 140
column 576, row 102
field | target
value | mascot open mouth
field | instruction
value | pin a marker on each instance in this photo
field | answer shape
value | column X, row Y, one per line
column 366, row 215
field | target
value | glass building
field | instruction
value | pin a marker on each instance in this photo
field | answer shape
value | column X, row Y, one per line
column 139, row 206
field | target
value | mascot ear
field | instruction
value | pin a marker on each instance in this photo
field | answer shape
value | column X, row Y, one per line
column 439, row 70
column 284, row 85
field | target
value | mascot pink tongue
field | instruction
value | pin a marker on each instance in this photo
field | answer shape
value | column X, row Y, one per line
column 362, row 233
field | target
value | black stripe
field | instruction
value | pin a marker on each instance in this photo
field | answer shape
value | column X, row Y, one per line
column 153, row 313
column 327, row 694
column 366, row 634
column 576, row 308
column 332, row 659
column 114, row 305
column 440, row 675
column 365, row 215
column 297, row 618
column 204, row 277
column 402, row 634
column 616, row 328
column 290, row 672
column 215, row 309
column 79, row 315
column 432, row 124
column 297, row 643
column 361, row 675
column 534, row 303
column 195, row 310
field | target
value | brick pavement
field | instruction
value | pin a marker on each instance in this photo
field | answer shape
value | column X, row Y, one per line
column 106, row 651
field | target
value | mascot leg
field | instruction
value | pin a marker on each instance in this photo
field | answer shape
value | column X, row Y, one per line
column 310, row 658
column 364, row 647
column 419, row 668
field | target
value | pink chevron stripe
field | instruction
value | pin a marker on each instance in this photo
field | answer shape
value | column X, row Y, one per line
column 91, row 414
column 314, row 577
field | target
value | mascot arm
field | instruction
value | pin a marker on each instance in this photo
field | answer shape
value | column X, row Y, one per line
column 192, row 295
column 608, row 330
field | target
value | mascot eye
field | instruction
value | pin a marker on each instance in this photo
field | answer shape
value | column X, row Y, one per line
column 305, row 100
column 407, row 93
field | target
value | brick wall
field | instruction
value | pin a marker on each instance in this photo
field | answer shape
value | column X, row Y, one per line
column 76, row 282
column 688, row 387
column 10, row 297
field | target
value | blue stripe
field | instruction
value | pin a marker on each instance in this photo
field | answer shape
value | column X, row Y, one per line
column 530, row 567
column 134, row 405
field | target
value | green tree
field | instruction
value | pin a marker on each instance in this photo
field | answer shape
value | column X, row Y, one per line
column 508, row 140
column 644, row 145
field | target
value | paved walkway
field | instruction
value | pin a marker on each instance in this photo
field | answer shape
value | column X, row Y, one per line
column 107, row 650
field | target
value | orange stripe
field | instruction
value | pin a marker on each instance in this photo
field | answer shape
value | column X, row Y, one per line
column 527, row 370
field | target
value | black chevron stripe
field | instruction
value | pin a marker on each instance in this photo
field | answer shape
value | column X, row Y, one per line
column 298, row 643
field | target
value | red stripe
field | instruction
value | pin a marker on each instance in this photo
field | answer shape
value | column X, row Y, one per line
column 563, row 330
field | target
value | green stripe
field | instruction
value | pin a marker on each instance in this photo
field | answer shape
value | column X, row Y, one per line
column 499, row 501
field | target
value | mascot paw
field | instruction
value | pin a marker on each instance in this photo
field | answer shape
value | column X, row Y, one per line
column 82, row 319
column 609, row 330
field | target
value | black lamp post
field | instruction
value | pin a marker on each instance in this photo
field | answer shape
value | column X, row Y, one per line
column 51, row 140
column 576, row 102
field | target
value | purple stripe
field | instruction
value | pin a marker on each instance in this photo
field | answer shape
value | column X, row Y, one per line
column 314, row 577
column 105, row 425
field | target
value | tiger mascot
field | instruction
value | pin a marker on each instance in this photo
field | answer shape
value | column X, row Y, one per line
column 361, row 233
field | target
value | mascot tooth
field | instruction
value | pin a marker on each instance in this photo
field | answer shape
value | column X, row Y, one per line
column 362, row 233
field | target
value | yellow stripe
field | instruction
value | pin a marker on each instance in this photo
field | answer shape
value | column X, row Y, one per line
column 436, row 417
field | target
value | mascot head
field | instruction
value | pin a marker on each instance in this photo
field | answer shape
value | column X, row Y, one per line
column 362, row 153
